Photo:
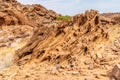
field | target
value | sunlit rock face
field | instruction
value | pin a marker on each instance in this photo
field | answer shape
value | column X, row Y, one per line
column 12, row 38
column 6, row 57
column 17, row 24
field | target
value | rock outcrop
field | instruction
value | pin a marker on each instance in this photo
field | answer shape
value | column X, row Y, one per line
column 33, row 39
column 58, row 43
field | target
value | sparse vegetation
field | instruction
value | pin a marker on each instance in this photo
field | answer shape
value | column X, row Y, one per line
column 66, row 17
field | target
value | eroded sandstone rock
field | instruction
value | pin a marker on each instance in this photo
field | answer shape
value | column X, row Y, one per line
column 116, row 72
column 63, row 40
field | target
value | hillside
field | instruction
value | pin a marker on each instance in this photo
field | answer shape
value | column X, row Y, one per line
column 40, row 44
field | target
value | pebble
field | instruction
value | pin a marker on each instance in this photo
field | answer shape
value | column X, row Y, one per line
column 75, row 73
column 88, row 78
column 98, row 77
column 96, row 74
column 97, row 61
column 60, row 70
column 72, row 65
column 58, row 66
column 87, row 62
column 54, row 71
column 63, row 73
column 116, row 72
column 99, row 55
column 91, row 67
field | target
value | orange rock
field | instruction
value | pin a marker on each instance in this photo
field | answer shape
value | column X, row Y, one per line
column 116, row 72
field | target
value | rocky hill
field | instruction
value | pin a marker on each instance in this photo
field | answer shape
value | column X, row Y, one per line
column 37, row 44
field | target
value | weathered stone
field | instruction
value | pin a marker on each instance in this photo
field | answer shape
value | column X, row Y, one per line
column 99, row 55
column 87, row 62
column 116, row 72
column 91, row 67
column 54, row 71
column 75, row 73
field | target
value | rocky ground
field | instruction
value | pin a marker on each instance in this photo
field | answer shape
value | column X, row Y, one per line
column 36, row 45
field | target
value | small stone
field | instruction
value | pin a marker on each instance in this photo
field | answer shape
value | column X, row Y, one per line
column 87, row 62
column 58, row 66
column 60, row 70
column 54, row 71
column 75, row 73
column 63, row 73
column 72, row 65
column 97, row 61
column 99, row 55
column 116, row 72
column 98, row 77
column 103, row 74
column 84, row 73
column 88, row 78
column 91, row 67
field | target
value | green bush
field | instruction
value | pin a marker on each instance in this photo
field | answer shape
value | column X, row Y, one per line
column 63, row 17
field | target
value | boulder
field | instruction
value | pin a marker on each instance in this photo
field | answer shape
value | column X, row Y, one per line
column 116, row 72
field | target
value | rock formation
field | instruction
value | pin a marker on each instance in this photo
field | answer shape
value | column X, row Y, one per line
column 86, row 42
column 56, row 43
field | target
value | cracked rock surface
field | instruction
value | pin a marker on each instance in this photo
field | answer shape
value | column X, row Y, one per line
column 35, row 45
